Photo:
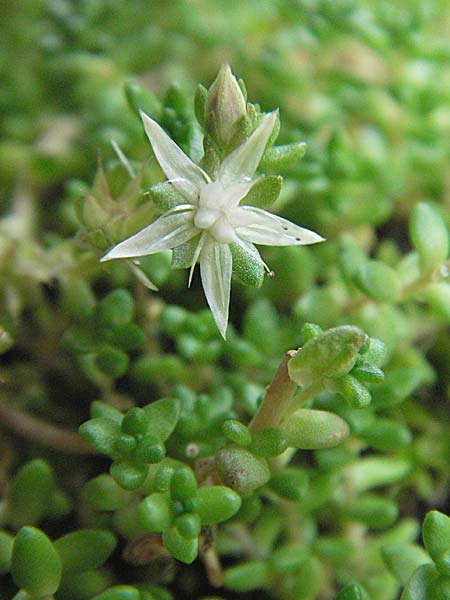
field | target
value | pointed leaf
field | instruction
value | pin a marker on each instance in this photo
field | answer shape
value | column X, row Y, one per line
column 264, row 191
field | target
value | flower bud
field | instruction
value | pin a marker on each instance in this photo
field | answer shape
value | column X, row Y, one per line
column 330, row 354
column 224, row 106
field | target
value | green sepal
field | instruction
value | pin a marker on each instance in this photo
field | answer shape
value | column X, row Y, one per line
column 216, row 503
column 236, row 432
column 280, row 157
column 163, row 417
column 29, row 493
column 85, row 549
column 127, row 474
column 119, row 592
column 183, row 255
column 356, row 394
column 378, row 281
column 375, row 352
column 330, row 354
column 183, row 484
column 402, row 559
column 183, row 549
column 101, row 433
column 429, row 236
column 422, row 584
column 6, row 545
column 248, row 267
column 247, row 576
column 367, row 373
column 103, row 493
column 166, row 196
column 310, row 331
column 269, row 442
column 200, row 96
column 35, row 564
column 140, row 98
column 311, row 429
column 154, row 512
column 116, row 308
column 290, row 483
column 241, row 470
column 436, row 538
column 264, row 191
column 189, row 525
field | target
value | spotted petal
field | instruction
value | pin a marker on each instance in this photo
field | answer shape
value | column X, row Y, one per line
column 261, row 227
column 215, row 271
column 170, row 230
column 241, row 164
column 185, row 175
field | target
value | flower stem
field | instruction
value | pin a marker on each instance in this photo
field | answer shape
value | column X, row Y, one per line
column 42, row 432
column 276, row 399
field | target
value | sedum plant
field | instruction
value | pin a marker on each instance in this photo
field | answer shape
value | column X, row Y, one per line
column 288, row 440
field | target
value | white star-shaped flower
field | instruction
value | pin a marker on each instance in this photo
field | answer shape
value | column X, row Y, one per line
column 212, row 213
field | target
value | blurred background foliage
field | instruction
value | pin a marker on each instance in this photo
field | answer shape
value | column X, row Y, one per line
column 367, row 86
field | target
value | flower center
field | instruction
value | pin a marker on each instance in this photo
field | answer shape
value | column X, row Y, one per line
column 212, row 213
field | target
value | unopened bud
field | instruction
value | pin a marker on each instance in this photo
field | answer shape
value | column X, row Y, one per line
column 224, row 106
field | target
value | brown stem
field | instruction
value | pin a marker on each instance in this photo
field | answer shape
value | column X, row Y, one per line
column 276, row 399
column 41, row 432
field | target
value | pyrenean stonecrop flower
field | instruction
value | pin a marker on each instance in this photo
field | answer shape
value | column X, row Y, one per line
column 211, row 214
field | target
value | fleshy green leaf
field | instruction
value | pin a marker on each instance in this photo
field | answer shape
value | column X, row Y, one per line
column 29, row 493
column 216, row 503
column 154, row 512
column 101, row 433
column 242, row 470
column 183, row 549
column 35, row 564
column 436, row 537
column 84, row 549
column 163, row 417
column 311, row 429
column 429, row 236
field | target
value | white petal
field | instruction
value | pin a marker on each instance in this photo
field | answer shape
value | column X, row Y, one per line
column 184, row 174
column 261, row 227
column 215, row 270
column 243, row 161
column 170, row 230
